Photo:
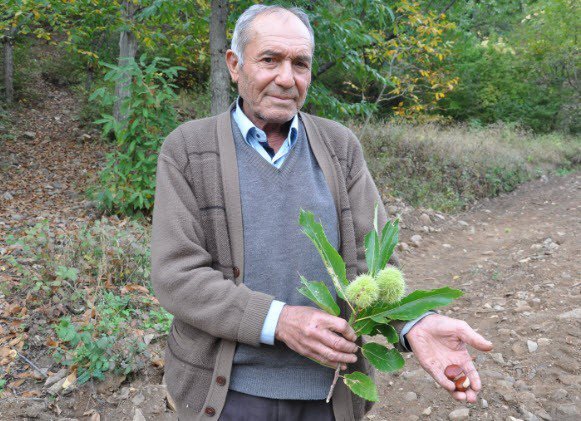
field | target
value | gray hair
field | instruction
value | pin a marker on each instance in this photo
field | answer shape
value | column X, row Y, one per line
column 241, row 35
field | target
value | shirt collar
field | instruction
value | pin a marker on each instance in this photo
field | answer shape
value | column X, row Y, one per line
column 245, row 125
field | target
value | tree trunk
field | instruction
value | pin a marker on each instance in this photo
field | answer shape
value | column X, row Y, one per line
column 127, row 51
column 8, row 42
column 219, row 75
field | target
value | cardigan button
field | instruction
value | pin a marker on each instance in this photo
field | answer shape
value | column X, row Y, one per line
column 221, row 380
column 209, row 411
column 236, row 271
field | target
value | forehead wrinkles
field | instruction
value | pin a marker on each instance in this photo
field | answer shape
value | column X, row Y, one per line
column 285, row 47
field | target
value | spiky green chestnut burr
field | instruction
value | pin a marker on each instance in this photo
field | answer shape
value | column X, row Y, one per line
column 363, row 291
column 391, row 285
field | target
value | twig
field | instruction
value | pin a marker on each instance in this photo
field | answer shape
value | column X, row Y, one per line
column 32, row 365
column 334, row 382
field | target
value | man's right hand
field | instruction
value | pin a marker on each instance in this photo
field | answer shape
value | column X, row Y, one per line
column 317, row 335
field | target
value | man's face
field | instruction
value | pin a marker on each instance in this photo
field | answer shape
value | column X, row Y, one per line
column 275, row 76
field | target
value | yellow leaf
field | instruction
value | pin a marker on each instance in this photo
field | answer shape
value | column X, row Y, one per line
column 71, row 378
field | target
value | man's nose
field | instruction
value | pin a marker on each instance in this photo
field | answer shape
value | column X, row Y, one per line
column 285, row 77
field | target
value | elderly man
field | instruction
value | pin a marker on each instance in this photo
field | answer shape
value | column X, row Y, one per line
column 227, row 250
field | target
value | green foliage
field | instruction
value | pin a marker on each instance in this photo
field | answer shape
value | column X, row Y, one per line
column 368, row 314
column 98, row 276
column 361, row 385
column 129, row 177
column 95, row 348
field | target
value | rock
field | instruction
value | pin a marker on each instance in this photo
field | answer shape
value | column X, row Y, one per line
column 425, row 218
column 559, row 394
column 138, row 399
column 427, row 411
column 392, row 210
column 568, row 409
column 497, row 358
column 411, row 396
column 138, row 415
column 459, row 414
column 446, row 246
column 532, row 346
column 403, row 247
column 484, row 403
column 573, row 314
column 543, row 341
column 511, row 418
column 413, row 418
column 521, row 385
column 29, row 135
column 463, row 223
column 519, row 349
column 7, row 196
column 416, row 240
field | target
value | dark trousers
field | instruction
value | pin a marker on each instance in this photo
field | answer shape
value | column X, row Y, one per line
column 243, row 407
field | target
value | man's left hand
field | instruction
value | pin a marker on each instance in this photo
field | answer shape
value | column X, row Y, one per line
column 438, row 341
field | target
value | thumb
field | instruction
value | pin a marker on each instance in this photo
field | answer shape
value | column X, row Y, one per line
column 475, row 340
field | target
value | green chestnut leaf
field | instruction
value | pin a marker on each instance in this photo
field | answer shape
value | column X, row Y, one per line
column 361, row 385
column 382, row 358
column 319, row 294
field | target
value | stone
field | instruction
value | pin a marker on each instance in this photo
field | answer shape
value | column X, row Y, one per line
column 569, row 409
column 7, row 196
column 573, row 314
column 411, row 396
column 392, row 210
column 416, row 240
column 463, row 223
column 138, row 399
column 138, row 415
column 403, row 247
column 543, row 341
column 532, row 346
column 484, row 403
column 459, row 414
column 446, row 246
column 29, row 135
column 425, row 218
column 427, row 412
column 497, row 358
column 559, row 394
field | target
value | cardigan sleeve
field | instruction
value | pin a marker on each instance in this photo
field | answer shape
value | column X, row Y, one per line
column 182, row 277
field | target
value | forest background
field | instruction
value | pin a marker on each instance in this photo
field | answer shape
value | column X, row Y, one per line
column 453, row 101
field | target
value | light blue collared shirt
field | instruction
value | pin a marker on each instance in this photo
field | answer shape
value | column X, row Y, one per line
column 257, row 139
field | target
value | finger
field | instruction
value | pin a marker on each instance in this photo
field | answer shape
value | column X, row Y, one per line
column 338, row 343
column 436, row 370
column 473, row 375
column 477, row 341
column 330, row 356
column 459, row 396
column 341, row 326
column 471, row 396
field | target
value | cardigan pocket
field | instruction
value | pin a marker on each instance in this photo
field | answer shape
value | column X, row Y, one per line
column 188, row 377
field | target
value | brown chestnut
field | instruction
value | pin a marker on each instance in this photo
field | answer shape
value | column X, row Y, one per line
column 456, row 374
column 462, row 384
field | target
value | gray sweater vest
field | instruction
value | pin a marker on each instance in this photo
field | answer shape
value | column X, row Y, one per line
column 276, row 252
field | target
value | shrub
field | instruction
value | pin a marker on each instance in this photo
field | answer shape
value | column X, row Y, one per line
column 128, row 180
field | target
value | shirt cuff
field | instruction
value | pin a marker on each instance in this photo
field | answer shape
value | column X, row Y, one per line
column 407, row 327
column 270, row 322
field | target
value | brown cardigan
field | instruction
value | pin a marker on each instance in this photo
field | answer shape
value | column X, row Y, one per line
column 197, row 254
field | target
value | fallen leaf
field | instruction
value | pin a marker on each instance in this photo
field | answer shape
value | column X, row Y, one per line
column 134, row 287
column 31, row 393
column 71, row 378
column 158, row 362
column 16, row 383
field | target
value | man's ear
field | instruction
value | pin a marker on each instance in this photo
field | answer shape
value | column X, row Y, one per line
column 232, row 63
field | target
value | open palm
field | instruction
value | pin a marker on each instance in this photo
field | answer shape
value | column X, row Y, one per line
column 438, row 341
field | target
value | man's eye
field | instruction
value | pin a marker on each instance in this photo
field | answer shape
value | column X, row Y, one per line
column 267, row 59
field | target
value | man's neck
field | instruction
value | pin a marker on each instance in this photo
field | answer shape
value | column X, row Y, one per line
column 276, row 133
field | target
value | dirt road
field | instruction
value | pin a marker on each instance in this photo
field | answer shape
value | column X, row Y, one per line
column 517, row 260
